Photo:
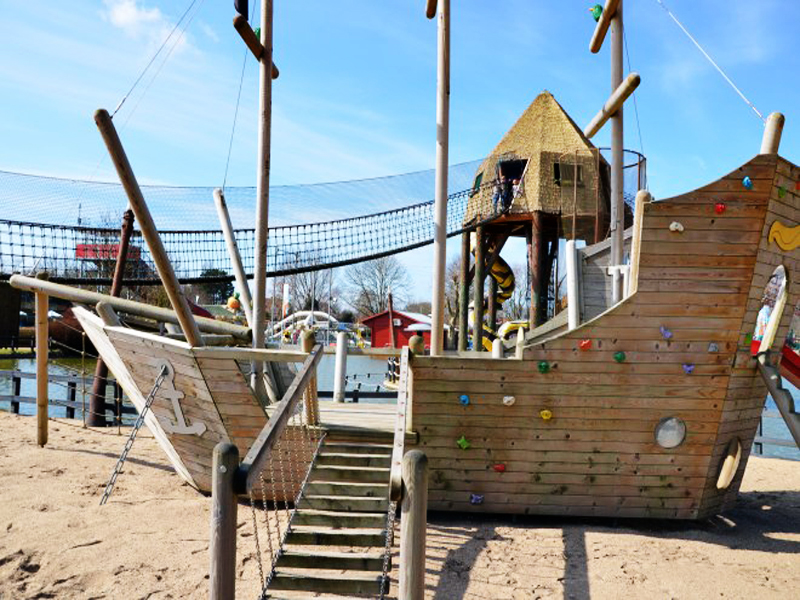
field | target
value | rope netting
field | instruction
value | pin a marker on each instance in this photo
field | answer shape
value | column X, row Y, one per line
column 35, row 236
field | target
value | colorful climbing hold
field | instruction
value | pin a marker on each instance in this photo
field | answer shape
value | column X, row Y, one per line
column 476, row 499
column 464, row 400
column 719, row 208
column 544, row 366
column 781, row 191
column 585, row 344
column 619, row 357
column 688, row 368
column 257, row 31
column 797, row 185
column 509, row 400
column 463, row 443
column 546, row 414
column 713, row 347
column 747, row 183
column 499, row 467
column 597, row 12
column 675, row 226
column 748, row 339
column 234, row 303
column 665, row 333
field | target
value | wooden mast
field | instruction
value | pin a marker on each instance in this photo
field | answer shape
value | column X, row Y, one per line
column 617, row 140
column 440, row 206
column 262, row 195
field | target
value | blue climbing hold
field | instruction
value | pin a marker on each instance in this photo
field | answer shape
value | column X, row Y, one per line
column 747, row 183
column 476, row 499
column 463, row 399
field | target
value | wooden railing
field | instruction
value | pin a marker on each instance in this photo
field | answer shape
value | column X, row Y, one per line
column 396, row 477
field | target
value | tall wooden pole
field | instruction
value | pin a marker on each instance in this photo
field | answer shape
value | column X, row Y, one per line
column 617, row 141
column 463, row 294
column 480, row 275
column 148, row 227
column 262, row 195
column 234, row 255
column 773, row 130
column 97, row 401
column 42, row 336
column 390, row 308
column 492, row 303
column 440, row 206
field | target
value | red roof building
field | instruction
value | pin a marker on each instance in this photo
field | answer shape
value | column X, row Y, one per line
column 402, row 324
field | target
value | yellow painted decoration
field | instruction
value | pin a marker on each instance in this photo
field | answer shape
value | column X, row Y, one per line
column 546, row 414
column 787, row 238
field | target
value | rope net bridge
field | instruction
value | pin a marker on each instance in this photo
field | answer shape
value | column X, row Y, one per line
column 34, row 236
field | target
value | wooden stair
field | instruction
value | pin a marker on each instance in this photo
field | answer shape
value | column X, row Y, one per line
column 336, row 543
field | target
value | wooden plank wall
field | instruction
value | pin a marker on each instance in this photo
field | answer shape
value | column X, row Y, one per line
column 597, row 454
column 595, row 283
column 742, row 408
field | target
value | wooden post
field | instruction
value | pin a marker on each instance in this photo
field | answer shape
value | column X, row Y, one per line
column 16, row 382
column 538, row 270
column 440, row 202
column 772, row 133
column 234, row 255
column 497, row 348
column 311, row 395
column 477, row 300
column 413, row 525
column 391, row 321
column 148, row 227
column 42, row 335
column 96, row 417
column 463, row 294
column 72, row 389
column 573, row 301
column 492, row 303
column 417, row 344
column 520, row 347
column 617, row 158
column 340, row 368
column 262, row 195
column 224, row 506
column 642, row 197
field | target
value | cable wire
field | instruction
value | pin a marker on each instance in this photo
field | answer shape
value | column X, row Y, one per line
column 711, row 60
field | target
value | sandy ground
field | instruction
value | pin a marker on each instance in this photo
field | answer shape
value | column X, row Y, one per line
column 151, row 540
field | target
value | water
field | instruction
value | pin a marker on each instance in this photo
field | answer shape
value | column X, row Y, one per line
column 369, row 371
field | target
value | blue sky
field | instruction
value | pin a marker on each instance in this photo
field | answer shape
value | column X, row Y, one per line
column 356, row 96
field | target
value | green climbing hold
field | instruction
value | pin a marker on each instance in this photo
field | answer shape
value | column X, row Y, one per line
column 257, row 31
column 544, row 366
column 596, row 11
column 463, row 443
column 619, row 357
column 781, row 192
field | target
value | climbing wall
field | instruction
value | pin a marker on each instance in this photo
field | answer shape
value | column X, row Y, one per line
column 570, row 429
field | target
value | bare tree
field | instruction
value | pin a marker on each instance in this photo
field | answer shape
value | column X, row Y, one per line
column 369, row 284
column 452, row 289
column 312, row 284
column 516, row 308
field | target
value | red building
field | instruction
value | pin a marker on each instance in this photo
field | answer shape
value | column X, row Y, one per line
column 402, row 324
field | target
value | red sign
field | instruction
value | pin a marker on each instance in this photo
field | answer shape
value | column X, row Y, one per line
column 104, row 252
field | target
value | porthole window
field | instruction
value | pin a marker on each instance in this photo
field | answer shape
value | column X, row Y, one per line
column 670, row 432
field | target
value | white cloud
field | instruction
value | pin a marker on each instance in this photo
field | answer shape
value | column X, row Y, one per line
column 141, row 23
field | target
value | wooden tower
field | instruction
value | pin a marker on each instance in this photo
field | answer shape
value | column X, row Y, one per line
column 546, row 181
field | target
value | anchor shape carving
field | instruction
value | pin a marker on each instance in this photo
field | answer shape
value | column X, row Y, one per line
column 169, row 392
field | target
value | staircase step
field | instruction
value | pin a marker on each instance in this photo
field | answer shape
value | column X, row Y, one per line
column 345, row 503
column 347, row 488
column 339, row 520
column 357, row 448
column 354, row 460
column 318, row 580
column 301, row 595
column 314, row 536
column 340, row 473
column 353, row 561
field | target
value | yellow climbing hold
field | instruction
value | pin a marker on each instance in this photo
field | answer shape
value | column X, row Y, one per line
column 546, row 414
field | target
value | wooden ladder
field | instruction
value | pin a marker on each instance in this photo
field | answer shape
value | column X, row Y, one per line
column 337, row 541
column 782, row 397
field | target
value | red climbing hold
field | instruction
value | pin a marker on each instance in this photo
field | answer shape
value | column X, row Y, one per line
column 585, row 344
column 719, row 208
column 500, row 468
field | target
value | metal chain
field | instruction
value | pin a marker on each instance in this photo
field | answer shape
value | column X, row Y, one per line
column 390, row 517
column 259, row 555
column 129, row 444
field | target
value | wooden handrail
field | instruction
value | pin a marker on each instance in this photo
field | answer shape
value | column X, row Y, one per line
column 256, row 459
column 396, row 473
column 259, row 354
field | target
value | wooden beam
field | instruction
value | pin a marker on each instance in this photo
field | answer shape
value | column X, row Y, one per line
column 42, row 337
column 612, row 105
column 249, row 37
column 224, row 506
column 148, row 227
column 401, row 421
column 163, row 315
column 642, row 197
column 463, row 294
column 772, row 133
column 602, row 25
column 256, row 459
column 234, row 255
column 497, row 241
column 430, row 9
